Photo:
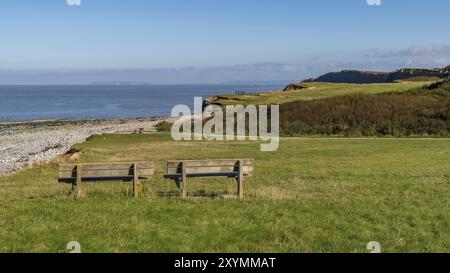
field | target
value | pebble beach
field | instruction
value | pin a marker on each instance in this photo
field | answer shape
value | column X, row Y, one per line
column 26, row 143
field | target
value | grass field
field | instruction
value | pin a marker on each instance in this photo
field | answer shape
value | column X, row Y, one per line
column 312, row 195
column 317, row 91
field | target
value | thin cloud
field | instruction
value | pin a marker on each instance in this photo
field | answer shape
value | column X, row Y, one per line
column 422, row 51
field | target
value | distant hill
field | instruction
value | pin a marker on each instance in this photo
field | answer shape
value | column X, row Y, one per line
column 355, row 76
column 121, row 83
column 352, row 76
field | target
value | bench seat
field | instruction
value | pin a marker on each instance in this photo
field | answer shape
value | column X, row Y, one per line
column 76, row 174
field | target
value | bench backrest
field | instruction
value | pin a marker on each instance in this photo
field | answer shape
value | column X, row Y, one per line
column 205, row 167
column 104, row 171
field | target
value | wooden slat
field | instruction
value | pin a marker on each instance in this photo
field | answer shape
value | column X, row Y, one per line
column 207, row 169
column 106, row 170
column 145, row 171
column 210, row 166
column 99, row 179
column 202, row 175
column 106, row 173
column 71, row 174
column 213, row 162
column 106, row 166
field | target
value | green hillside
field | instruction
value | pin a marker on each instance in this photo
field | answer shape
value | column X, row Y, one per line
column 315, row 91
column 418, row 112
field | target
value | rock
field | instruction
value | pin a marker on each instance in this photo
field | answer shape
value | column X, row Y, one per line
column 69, row 156
column 211, row 101
column 294, row 86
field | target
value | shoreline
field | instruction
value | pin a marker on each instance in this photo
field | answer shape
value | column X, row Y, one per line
column 73, row 120
column 26, row 143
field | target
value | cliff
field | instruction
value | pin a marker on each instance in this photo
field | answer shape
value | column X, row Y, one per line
column 352, row 76
column 408, row 73
column 294, row 86
column 355, row 76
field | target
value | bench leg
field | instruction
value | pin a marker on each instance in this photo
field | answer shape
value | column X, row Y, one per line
column 183, row 183
column 240, row 181
column 76, row 187
column 183, row 188
column 136, row 184
column 136, row 187
column 76, row 190
column 240, row 191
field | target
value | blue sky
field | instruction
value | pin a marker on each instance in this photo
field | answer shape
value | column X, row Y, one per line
column 211, row 41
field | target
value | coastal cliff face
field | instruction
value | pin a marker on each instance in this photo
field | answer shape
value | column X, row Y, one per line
column 355, row 76
column 407, row 73
column 352, row 76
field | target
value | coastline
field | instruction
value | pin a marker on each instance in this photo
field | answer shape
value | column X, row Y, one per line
column 25, row 143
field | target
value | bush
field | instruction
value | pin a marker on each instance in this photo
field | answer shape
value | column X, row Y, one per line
column 163, row 126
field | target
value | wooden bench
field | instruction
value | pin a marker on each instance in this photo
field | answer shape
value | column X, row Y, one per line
column 76, row 174
column 231, row 168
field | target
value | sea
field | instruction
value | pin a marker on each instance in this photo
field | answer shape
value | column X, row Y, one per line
column 74, row 102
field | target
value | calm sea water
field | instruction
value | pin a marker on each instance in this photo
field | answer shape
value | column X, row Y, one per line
column 19, row 103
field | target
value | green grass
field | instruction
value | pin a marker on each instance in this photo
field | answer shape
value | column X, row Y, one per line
column 312, row 195
column 317, row 91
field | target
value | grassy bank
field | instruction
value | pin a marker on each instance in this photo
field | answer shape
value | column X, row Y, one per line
column 313, row 195
column 315, row 91
column 417, row 112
